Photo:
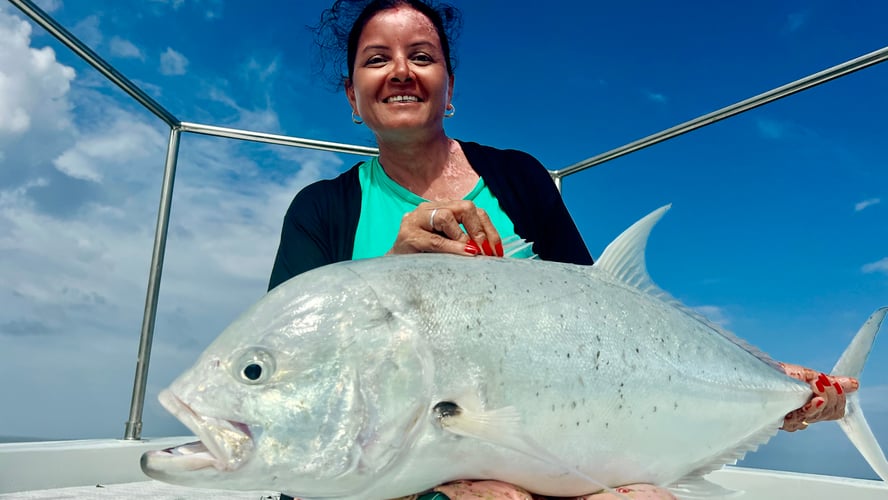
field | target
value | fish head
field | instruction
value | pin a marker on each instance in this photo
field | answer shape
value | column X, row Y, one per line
column 314, row 391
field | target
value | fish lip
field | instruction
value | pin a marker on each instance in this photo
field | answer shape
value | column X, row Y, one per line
column 224, row 444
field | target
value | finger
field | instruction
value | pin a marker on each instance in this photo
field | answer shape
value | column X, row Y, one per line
column 480, row 228
column 800, row 372
column 847, row 384
column 833, row 395
column 447, row 223
column 421, row 231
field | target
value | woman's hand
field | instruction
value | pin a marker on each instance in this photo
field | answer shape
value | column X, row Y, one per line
column 435, row 227
column 828, row 401
column 473, row 490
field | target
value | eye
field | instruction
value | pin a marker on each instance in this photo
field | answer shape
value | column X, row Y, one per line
column 254, row 366
column 375, row 61
column 423, row 58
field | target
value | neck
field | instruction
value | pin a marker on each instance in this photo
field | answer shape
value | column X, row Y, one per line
column 416, row 164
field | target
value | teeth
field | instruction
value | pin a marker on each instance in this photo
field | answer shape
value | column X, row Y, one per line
column 403, row 98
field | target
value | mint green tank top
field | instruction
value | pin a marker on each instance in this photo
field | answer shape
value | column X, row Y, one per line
column 384, row 202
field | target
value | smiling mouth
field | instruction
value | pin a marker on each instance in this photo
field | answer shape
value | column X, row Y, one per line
column 224, row 444
column 401, row 98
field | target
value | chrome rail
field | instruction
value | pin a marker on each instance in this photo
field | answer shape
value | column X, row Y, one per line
column 134, row 424
column 824, row 76
column 133, row 430
column 284, row 140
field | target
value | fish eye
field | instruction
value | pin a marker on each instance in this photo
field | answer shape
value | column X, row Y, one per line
column 254, row 366
column 253, row 371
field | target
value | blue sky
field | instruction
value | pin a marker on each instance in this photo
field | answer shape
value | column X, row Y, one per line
column 777, row 229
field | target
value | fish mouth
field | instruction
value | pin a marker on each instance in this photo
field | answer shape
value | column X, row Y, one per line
column 224, row 445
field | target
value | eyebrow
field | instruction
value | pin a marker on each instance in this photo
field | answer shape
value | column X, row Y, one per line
column 412, row 46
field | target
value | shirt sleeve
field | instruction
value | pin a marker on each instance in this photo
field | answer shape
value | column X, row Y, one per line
column 319, row 227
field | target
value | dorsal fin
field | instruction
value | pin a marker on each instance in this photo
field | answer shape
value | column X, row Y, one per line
column 624, row 261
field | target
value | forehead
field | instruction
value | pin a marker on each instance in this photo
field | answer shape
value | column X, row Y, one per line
column 399, row 22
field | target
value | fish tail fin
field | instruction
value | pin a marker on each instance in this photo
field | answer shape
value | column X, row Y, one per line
column 854, row 423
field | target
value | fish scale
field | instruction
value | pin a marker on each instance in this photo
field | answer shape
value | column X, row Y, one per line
column 379, row 378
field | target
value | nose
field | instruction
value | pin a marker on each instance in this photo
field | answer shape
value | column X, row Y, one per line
column 401, row 71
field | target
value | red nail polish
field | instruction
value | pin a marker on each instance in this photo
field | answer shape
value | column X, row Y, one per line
column 487, row 249
column 472, row 248
column 499, row 249
column 824, row 379
column 838, row 387
column 820, row 403
column 820, row 386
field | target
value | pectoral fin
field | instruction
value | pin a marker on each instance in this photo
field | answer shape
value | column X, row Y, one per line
column 502, row 427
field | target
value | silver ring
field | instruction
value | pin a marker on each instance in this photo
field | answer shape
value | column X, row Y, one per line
column 432, row 219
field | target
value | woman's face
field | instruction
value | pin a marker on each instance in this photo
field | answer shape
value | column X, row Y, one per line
column 400, row 82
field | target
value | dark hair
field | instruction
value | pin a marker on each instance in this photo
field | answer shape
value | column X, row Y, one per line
column 341, row 26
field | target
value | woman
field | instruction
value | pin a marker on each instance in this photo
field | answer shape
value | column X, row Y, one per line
column 424, row 185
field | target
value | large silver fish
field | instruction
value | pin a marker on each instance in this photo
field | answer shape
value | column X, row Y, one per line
column 378, row 378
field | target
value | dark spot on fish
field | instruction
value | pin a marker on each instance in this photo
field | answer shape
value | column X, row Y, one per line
column 637, row 351
column 597, row 355
column 446, row 409
column 578, row 423
column 553, row 408
column 675, row 407
column 573, row 404
column 568, row 355
column 538, row 393
column 655, row 409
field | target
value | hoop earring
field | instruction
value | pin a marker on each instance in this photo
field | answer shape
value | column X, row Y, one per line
column 449, row 111
column 357, row 119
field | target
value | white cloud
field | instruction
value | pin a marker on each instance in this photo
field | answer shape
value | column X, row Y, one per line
column 22, row 71
column 125, row 48
column 796, row 20
column 715, row 314
column 879, row 266
column 866, row 203
column 175, row 4
column 771, row 129
column 49, row 6
column 173, row 63
column 656, row 97
column 87, row 30
column 256, row 70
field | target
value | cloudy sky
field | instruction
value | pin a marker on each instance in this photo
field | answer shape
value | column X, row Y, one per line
column 778, row 228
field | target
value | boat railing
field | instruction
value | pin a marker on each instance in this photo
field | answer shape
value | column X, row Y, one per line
column 133, row 430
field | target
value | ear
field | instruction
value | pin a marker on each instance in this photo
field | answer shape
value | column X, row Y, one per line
column 350, row 94
column 450, row 90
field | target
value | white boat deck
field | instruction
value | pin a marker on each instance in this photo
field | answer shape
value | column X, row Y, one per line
column 103, row 469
